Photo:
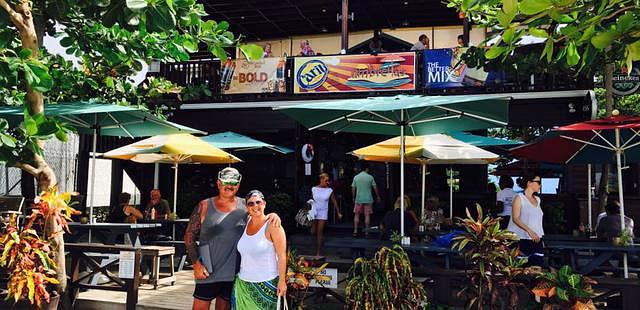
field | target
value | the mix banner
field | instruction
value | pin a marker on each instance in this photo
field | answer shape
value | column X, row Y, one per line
column 354, row 73
column 249, row 77
column 444, row 68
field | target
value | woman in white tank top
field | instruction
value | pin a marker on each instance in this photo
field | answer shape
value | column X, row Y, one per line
column 526, row 220
column 263, row 260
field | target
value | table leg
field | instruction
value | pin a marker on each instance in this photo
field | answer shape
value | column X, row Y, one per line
column 595, row 262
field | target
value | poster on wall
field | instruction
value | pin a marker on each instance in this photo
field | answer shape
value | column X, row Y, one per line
column 249, row 77
column 353, row 73
column 444, row 68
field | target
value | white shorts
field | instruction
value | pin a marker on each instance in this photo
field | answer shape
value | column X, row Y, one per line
column 321, row 213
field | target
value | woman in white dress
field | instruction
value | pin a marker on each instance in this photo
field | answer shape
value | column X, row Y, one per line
column 322, row 193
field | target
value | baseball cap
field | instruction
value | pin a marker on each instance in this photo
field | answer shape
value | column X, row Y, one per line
column 229, row 175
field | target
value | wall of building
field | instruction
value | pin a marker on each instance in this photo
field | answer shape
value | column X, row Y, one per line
column 440, row 37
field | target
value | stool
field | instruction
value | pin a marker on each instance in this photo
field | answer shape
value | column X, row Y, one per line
column 157, row 253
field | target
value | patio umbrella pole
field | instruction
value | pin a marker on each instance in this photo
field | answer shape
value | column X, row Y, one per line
column 156, row 174
column 621, row 196
column 451, row 192
column 175, row 194
column 589, row 197
column 402, row 124
column 424, row 173
column 93, row 173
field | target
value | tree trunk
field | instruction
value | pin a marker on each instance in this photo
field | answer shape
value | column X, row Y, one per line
column 603, row 188
column 22, row 18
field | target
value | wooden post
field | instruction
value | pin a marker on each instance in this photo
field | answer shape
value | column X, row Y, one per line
column 465, row 31
column 345, row 25
column 131, row 285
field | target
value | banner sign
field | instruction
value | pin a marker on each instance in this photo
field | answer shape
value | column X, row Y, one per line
column 249, row 77
column 444, row 68
column 354, row 73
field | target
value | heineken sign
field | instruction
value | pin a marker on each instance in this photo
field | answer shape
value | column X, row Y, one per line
column 625, row 83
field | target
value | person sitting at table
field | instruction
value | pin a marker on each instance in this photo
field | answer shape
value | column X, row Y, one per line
column 157, row 203
column 123, row 212
column 526, row 220
column 391, row 221
column 609, row 226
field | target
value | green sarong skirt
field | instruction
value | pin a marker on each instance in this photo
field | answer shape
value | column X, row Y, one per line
column 254, row 295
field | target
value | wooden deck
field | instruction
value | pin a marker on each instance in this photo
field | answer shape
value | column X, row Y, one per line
column 178, row 296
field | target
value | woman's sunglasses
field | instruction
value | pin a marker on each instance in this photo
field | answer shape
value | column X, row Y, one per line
column 255, row 203
column 537, row 181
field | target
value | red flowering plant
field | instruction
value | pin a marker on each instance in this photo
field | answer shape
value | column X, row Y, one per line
column 28, row 258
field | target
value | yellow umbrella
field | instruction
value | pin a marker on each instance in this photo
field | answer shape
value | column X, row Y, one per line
column 427, row 149
column 173, row 149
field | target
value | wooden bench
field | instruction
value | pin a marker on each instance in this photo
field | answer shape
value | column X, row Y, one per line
column 156, row 253
column 80, row 254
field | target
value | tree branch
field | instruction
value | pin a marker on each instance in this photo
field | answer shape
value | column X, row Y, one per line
column 15, row 17
column 27, row 167
column 614, row 14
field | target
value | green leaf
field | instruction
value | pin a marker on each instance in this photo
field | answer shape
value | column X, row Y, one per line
column 136, row 5
column 510, row 7
column 62, row 135
column 495, row 52
column 47, row 129
column 548, row 50
column 222, row 26
column 8, row 140
column 572, row 55
column 538, row 33
column 190, row 44
column 468, row 4
column 218, row 52
column 43, row 81
column 39, row 118
column 625, row 23
column 562, row 294
column 92, row 83
column 24, row 53
column 30, row 126
column 67, row 41
column 102, row 3
column 509, row 35
column 575, row 280
column 603, row 40
column 251, row 51
column 532, row 7
column 632, row 54
column 504, row 19
column 587, row 34
column 161, row 19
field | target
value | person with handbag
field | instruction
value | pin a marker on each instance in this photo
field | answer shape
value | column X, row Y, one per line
column 322, row 194
column 217, row 223
column 262, row 279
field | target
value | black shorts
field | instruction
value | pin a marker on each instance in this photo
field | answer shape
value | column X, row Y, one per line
column 210, row 291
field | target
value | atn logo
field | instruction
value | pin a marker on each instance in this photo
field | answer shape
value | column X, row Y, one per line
column 312, row 74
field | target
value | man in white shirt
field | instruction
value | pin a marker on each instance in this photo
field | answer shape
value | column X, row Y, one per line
column 422, row 44
column 504, row 200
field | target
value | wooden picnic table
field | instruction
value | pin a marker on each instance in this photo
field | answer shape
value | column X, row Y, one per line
column 108, row 232
column 419, row 249
column 603, row 251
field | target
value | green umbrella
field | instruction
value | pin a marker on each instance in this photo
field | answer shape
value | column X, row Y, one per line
column 482, row 141
column 93, row 117
column 230, row 140
column 415, row 114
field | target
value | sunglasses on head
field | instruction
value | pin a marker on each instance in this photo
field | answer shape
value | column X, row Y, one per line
column 255, row 203
column 232, row 183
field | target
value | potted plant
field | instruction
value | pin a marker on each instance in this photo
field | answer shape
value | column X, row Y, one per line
column 299, row 275
column 384, row 282
column 563, row 289
column 497, row 277
column 28, row 256
column 626, row 238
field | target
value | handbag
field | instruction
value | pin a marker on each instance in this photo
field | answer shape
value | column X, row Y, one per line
column 305, row 215
column 282, row 305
